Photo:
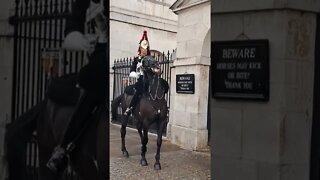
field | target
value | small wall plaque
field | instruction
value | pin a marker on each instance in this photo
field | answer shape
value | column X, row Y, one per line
column 240, row 69
column 185, row 83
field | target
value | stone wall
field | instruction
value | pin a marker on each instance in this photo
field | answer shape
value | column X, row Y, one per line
column 267, row 140
column 188, row 112
column 249, row 5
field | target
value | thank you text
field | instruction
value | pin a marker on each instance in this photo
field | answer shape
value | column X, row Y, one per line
column 240, row 69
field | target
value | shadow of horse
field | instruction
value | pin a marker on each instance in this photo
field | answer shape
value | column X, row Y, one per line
column 50, row 119
column 152, row 108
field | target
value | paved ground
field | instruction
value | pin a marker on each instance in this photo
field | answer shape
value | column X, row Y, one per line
column 176, row 163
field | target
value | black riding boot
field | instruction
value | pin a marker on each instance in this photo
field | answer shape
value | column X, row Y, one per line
column 133, row 103
column 58, row 161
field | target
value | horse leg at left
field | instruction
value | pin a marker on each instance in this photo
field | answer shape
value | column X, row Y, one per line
column 161, row 127
column 139, row 128
column 123, row 136
column 144, row 142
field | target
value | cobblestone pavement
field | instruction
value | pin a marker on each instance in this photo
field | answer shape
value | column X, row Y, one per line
column 176, row 163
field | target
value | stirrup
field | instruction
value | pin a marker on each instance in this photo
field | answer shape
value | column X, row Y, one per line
column 70, row 147
column 128, row 111
column 58, row 160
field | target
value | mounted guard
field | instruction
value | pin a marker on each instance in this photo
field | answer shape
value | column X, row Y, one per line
column 136, row 72
column 92, row 77
column 146, row 101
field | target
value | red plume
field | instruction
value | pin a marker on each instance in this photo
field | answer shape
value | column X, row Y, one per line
column 144, row 37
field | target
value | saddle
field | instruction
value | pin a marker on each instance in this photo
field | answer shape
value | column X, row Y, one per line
column 130, row 90
column 63, row 90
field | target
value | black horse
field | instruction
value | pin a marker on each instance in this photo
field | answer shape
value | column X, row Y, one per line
column 152, row 108
column 50, row 118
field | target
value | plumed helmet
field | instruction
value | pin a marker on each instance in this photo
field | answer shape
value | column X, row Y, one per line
column 144, row 43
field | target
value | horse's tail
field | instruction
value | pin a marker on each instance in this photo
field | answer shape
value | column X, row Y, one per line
column 114, row 106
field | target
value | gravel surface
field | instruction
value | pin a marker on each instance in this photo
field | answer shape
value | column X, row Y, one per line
column 176, row 163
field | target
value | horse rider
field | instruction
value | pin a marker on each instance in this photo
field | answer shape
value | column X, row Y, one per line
column 135, row 72
column 92, row 77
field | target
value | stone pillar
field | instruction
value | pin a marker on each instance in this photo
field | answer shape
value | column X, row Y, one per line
column 6, row 70
column 267, row 140
column 188, row 112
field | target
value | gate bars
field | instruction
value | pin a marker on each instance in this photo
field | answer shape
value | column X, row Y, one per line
column 38, row 24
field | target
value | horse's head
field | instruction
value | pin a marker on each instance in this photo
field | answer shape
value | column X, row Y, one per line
column 157, row 86
column 151, row 66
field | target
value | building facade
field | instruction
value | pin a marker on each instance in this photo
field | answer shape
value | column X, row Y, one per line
column 128, row 20
column 188, row 126
column 270, row 139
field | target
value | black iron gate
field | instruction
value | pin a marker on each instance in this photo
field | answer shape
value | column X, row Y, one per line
column 121, row 73
column 38, row 25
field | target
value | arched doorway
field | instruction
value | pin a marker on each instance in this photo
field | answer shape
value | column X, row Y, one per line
column 206, row 52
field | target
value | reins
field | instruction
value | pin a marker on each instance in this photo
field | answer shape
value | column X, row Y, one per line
column 156, row 94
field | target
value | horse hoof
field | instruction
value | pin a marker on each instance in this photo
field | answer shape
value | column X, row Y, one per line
column 125, row 153
column 157, row 166
column 143, row 162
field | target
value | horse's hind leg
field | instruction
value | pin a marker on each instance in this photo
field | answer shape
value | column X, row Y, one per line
column 143, row 160
column 161, row 127
column 123, row 136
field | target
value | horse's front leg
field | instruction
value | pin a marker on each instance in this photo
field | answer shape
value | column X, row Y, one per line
column 139, row 128
column 161, row 127
column 144, row 142
column 123, row 136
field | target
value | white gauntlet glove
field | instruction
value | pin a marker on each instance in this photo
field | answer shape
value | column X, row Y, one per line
column 134, row 75
column 77, row 41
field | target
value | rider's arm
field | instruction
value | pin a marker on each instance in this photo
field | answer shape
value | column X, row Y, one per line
column 134, row 65
column 75, row 22
column 74, row 31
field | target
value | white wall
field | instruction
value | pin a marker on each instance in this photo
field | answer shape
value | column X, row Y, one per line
column 128, row 20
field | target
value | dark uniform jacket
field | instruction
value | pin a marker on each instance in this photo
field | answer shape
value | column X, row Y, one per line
column 142, row 84
column 139, row 85
column 93, row 77
column 75, row 22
